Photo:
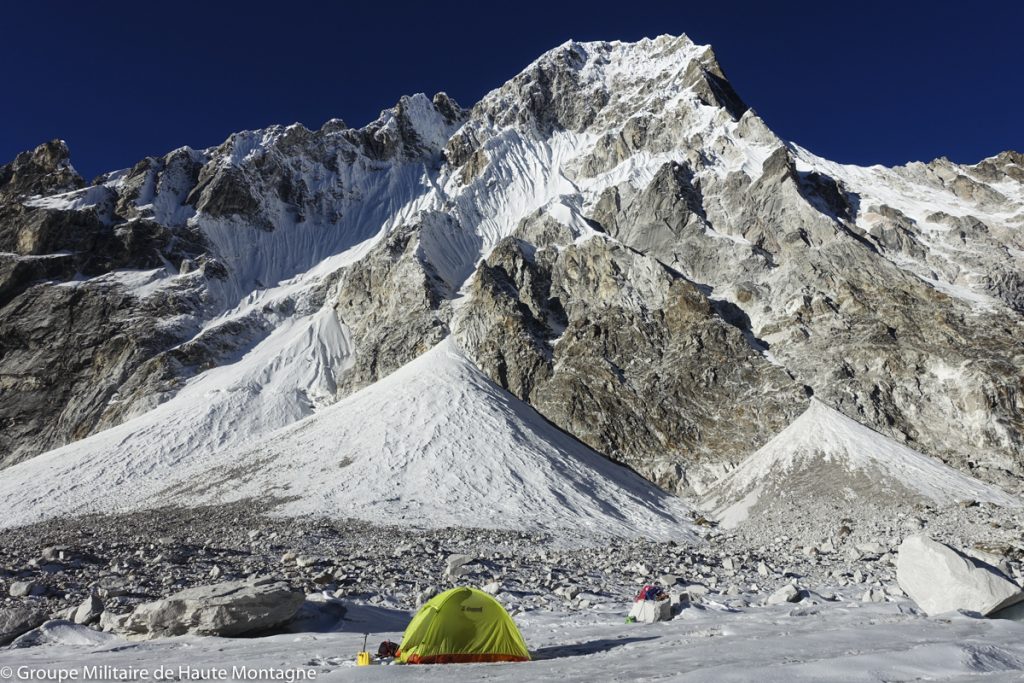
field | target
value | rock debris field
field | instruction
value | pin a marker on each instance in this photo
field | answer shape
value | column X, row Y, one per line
column 96, row 569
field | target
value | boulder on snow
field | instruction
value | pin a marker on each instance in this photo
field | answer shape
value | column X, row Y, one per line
column 650, row 611
column 679, row 599
column 230, row 608
column 942, row 579
column 21, row 589
column 567, row 592
column 15, row 621
column 872, row 548
column 695, row 591
column 113, row 623
column 456, row 565
column 89, row 611
column 788, row 593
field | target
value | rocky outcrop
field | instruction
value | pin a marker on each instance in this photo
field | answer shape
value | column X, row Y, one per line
column 44, row 170
column 395, row 303
column 65, row 351
column 656, row 219
column 626, row 355
column 72, row 330
column 786, row 262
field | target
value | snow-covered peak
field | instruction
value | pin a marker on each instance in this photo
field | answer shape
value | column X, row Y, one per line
column 432, row 121
column 586, row 117
column 578, row 84
column 615, row 62
column 415, row 126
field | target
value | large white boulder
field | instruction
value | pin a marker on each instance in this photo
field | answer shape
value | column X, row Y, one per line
column 457, row 565
column 231, row 608
column 650, row 611
column 941, row 579
column 89, row 611
column 788, row 593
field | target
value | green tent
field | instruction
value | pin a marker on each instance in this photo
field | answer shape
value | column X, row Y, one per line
column 462, row 625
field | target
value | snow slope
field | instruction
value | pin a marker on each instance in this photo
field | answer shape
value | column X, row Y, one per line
column 824, row 453
column 433, row 444
column 436, row 444
column 277, row 380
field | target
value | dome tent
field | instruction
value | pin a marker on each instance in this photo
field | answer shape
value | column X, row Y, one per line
column 462, row 625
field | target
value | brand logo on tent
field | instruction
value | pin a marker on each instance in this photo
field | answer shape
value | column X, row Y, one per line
column 472, row 609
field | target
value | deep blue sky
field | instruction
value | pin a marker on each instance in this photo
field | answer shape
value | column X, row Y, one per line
column 863, row 82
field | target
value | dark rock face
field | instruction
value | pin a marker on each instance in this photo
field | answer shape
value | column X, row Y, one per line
column 65, row 352
column 66, row 345
column 626, row 355
column 707, row 79
column 658, row 216
column 223, row 192
column 871, row 338
column 43, row 171
column 392, row 301
column 543, row 96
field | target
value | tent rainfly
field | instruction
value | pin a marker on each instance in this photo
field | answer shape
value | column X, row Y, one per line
column 462, row 625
